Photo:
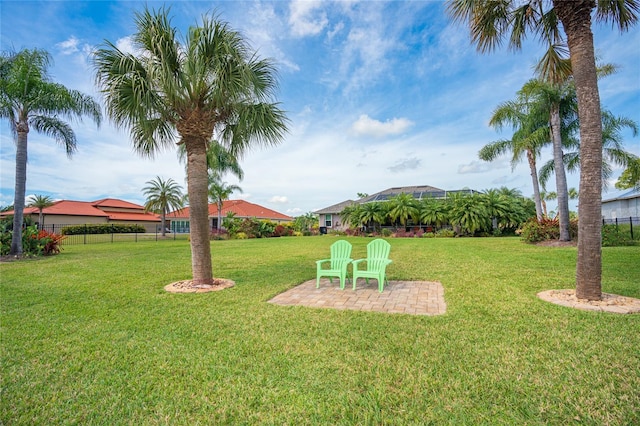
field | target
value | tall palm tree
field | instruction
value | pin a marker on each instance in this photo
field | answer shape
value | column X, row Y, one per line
column 491, row 22
column 219, row 192
column 209, row 86
column 530, row 134
column 40, row 202
column 555, row 97
column 163, row 196
column 29, row 100
column 613, row 151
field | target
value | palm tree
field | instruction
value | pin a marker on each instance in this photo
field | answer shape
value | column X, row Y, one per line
column 530, row 134
column 613, row 151
column 29, row 100
column 555, row 97
column 163, row 196
column 371, row 214
column 403, row 207
column 433, row 211
column 218, row 192
column 469, row 213
column 498, row 208
column 211, row 86
column 40, row 202
column 220, row 160
column 492, row 22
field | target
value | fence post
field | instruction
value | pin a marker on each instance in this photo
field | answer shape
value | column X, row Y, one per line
column 631, row 226
column 85, row 233
column 112, row 233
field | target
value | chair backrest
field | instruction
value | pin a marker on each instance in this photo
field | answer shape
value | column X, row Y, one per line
column 377, row 253
column 340, row 250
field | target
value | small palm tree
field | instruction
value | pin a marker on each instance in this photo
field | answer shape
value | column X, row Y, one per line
column 219, row 192
column 40, row 202
column 469, row 213
column 403, row 207
column 372, row 214
column 30, row 101
column 210, row 86
column 432, row 211
column 163, row 196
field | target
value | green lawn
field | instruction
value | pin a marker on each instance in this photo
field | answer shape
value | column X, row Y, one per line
column 90, row 337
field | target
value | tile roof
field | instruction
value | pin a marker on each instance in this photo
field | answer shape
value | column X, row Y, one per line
column 114, row 202
column 241, row 208
column 336, row 208
column 88, row 208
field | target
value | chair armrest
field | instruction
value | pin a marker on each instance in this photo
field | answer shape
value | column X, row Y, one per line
column 355, row 262
column 319, row 262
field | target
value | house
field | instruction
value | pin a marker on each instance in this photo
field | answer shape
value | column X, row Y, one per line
column 240, row 208
column 329, row 217
column 107, row 210
column 622, row 205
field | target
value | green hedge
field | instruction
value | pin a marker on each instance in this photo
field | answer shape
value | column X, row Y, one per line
column 103, row 228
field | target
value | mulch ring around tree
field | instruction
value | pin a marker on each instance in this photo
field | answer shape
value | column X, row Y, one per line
column 187, row 286
column 610, row 302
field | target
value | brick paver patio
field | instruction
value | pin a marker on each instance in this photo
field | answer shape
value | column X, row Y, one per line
column 400, row 297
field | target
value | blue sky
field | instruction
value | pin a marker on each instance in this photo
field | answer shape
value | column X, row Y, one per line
column 379, row 94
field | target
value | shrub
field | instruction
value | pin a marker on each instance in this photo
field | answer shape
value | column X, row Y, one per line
column 612, row 237
column 218, row 234
column 547, row 229
column 241, row 236
column 445, row 233
column 34, row 242
column 103, row 228
column 428, row 235
column 386, row 232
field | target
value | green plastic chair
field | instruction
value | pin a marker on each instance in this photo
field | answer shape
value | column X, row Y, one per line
column 340, row 259
column 376, row 263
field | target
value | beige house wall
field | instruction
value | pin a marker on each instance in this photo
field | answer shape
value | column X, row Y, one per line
column 58, row 220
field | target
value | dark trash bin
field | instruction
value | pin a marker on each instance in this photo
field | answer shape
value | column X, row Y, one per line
column 323, row 230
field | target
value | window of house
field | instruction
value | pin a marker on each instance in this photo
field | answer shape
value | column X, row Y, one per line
column 327, row 220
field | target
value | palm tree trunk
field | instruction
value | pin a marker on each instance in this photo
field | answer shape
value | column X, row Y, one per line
column 197, row 181
column 164, row 213
column 20, row 189
column 576, row 20
column 536, row 185
column 219, row 216
column 561, row 177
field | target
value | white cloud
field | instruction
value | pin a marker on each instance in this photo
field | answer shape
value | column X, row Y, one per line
column 367, row 126
column 69, row 46
column 406, row 164
column 305, row 18
column 474, row 167
column 125, row 44
column 279, row 199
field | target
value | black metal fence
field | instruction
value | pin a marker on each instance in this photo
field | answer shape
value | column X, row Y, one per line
column 630, row 225
column 111, row 237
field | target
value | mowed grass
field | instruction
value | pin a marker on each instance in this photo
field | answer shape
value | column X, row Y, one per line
column 90, row 337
